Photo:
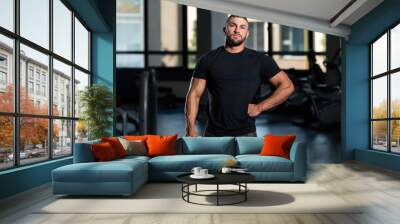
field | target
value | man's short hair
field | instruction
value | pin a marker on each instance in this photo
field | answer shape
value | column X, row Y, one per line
column 232, row 16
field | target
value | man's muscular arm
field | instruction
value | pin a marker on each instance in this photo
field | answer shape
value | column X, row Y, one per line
column 284, row 89
column 196, row 90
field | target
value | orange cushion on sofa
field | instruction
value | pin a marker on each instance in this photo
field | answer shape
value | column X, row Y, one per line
column 161, row 145
column 103, row 151
column 277, row 145
column 135, row 137
column 116, row 145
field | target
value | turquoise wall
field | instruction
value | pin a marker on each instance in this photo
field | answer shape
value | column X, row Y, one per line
column 355, row 123
column 100, row 16
column 24, row 178
column 103, row 52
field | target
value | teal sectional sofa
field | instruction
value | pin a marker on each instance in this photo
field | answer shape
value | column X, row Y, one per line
column 125, row 176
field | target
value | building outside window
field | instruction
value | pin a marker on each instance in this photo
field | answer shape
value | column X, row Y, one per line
column 30, row 72
column 3, row 78
column 30, row 87
column 34, row 79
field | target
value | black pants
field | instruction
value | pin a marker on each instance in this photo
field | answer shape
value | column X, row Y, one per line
column 209, row 134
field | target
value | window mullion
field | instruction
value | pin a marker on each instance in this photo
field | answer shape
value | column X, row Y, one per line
column 389, row 106
column 16, row 85
column 50, row 81
column 73, row 82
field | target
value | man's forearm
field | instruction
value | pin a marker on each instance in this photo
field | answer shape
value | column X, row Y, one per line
column 191, row 109
column 280, row 95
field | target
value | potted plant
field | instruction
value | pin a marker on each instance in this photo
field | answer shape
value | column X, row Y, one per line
column 96, row 105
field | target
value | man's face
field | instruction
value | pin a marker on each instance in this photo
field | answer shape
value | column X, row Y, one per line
column 236, row 31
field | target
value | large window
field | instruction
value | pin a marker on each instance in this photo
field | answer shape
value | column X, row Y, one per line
column 385, row 94
column 37, row 66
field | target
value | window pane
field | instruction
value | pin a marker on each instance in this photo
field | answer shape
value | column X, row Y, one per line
column 34, row 72
column 395, row 135
column 81, row 131
column 130, row 28
column 62, row 138
column 62, row 89
column 192, row 28
column 289, row 38
column 258, row 39
column 33, row 139
column 7, row 14
column 6, row 142
column 62, row 29
column 379, row 55
column 192, row 60
column 379, row 98
column 81, row 81
column 166, row 26
column 395, row 47
column 379, row 135
column 130, row 61
column 165, row 60
column 6, row 74
column 395, row 95
column 319, row 42
column 81, row 45
column 35, row 21
column 291, row 61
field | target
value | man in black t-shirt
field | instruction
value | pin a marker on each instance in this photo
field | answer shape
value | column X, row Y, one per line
column 232, row 74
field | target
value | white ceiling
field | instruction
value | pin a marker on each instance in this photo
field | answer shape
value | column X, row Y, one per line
column 316, row 15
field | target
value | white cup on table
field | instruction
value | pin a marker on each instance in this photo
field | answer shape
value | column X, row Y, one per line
column 203, row 172
column 196, row 170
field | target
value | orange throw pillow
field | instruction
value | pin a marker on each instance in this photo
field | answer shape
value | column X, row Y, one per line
column 161, row 145
column 103, row 151
column 277, row 145
column 116, row 145
column 135, row 137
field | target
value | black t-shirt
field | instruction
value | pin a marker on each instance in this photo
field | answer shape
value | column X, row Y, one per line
column 232, row 81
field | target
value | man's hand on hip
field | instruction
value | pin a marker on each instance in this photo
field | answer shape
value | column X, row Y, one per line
column 254, row 110
column 191, row 131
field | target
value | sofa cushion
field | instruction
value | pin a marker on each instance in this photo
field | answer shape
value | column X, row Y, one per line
column 83, row 152
column 103, row 151
column 257, row 163
column 206, row 145
column 111, row 171
column 249, row 145
column 185, row 163
column 161, row 145
column 116, row 145
column 275, row 145
column 134, row 147
column 135, row 137
column 132, row 158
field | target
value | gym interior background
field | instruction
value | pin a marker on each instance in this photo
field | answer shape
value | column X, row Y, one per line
column 157, row 47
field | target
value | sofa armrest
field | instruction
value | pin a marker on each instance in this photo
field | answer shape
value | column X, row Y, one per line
column 298, row 155
column 83, row 152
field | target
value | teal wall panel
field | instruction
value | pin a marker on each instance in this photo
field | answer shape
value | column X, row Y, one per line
column 355, row 123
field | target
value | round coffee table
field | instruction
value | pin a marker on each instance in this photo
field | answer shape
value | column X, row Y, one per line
column 238, row 179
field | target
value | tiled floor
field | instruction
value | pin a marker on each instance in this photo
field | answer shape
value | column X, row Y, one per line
column 323, row 147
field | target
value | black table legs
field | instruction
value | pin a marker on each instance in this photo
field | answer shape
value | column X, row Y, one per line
column 220, row 193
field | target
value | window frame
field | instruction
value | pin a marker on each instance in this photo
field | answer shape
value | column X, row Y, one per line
column 388, row 74
column 16, row 115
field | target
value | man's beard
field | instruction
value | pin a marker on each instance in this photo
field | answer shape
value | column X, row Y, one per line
column 233, row 43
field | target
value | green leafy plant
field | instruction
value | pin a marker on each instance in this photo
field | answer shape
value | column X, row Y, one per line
column 96, row 104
